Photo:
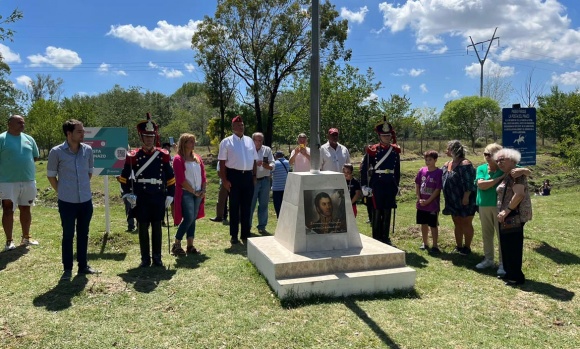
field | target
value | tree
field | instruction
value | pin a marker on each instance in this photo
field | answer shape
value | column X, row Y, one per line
column 266, row 42
column 464, row 117
column 44, row 87
column 530, row 91
column 7, row 33
column 428, row 121
column 557, row 113
column 11, row 98
column 344, row 104
column 44, row 124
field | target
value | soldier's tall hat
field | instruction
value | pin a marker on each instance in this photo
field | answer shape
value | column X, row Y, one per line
column 386, row 128
column 148, row 128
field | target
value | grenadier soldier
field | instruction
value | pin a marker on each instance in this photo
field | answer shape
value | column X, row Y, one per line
column 148, row 176
column 380, row 176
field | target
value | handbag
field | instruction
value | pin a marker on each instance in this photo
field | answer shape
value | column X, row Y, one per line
column 512, row 223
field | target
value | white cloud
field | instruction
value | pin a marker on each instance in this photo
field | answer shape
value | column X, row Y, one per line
column 61, row 58
column 489, row 68
column 354, row 17
column 416, row 72
column 189, row 67
column 120, row 72
column 8, row 56
column 165, row 37
column 410, row 72
column 23, row 80
column 452, row 94
column 372, row 97
column 423, row 88
column 406, row 88
column 104, row 67
column 166, row 72
column 568, row 78
column 536, row 28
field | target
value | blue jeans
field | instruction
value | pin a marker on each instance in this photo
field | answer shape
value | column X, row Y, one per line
column 189, row 209
column 71, row 214
column 261, row 197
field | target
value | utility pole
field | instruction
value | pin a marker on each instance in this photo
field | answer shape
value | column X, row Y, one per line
column 482, row 61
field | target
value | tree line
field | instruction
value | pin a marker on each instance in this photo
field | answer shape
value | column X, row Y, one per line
column 255, row 58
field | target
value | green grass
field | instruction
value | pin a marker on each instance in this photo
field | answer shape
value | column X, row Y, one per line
column 219, row 300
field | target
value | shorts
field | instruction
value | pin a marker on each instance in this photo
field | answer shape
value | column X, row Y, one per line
column 429, row 218
column 21, row 193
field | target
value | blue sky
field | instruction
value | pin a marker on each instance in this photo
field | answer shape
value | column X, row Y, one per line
column 415, row 47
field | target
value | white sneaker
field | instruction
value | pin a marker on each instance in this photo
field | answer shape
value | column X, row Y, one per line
column 28, row 242
column 9, row 246
column 500, row 270
column 486, row 263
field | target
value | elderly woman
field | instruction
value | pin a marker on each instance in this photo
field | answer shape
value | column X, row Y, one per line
column 459, row 190
column 487, row 178
column 190, row 183
column 513, row 199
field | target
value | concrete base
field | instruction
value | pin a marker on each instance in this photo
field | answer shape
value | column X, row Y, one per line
column 375, row 267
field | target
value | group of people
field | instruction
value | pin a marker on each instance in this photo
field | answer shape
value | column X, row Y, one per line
column 152, row 181
column 497, row 189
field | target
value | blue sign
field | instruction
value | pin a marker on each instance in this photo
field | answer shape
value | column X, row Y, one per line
column 109, row 148
column 519, row 132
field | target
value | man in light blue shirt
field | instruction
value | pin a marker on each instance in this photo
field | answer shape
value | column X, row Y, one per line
column 18, row 151
column 69, row 171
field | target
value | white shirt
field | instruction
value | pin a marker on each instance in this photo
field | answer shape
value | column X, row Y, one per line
column 193, row 174
column 333, row 159
column 238, row 153
column 262, row 153
column 301, row 162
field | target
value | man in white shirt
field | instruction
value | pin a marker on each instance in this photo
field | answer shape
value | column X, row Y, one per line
column 237, row 157
column 300, row 156
column 264, row 165
column 333, row 155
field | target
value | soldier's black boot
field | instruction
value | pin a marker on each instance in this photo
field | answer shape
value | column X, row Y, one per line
column 156, row 243
column 144, row 244
column 376, row 225
column 385, row 228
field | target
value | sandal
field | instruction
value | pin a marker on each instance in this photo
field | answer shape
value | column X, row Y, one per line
column 192, row 250
column 176, row 250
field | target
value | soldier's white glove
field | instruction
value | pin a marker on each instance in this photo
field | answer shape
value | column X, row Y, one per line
column 367, row 191
column 168, row 201
column 131, row 199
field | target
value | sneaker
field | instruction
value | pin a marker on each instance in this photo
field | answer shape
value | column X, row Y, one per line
column 192, row 250
column 486, row 263
column 28, row 242
column 9, row 246
column 435, row 250
column 457, row 249
column 423, row 247
column 216, row 219
column 464, row 251
column 88, row 270
column 500, row 270
column 176, row 250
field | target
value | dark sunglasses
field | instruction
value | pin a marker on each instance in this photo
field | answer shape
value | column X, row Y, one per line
column 486, row 154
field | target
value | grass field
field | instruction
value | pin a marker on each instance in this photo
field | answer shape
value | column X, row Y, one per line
column 219, row 300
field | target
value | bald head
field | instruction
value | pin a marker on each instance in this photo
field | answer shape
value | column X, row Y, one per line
column 15, row 125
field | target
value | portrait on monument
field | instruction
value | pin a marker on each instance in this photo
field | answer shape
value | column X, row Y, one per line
column 325, row 211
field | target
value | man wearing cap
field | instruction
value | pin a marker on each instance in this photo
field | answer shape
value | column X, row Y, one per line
column 264, row 166
column 333, row 155
column 380, row 176
column 148, row 175
column 279, row 176
column 300, row 156
column 237, row 157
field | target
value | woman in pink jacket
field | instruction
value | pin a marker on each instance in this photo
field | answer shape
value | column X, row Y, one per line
column 190, row 183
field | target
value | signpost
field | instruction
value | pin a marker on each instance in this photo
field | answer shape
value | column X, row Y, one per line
column 519, row 132
column 109, row 151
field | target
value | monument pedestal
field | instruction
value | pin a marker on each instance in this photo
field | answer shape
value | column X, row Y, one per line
column 307, row 256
